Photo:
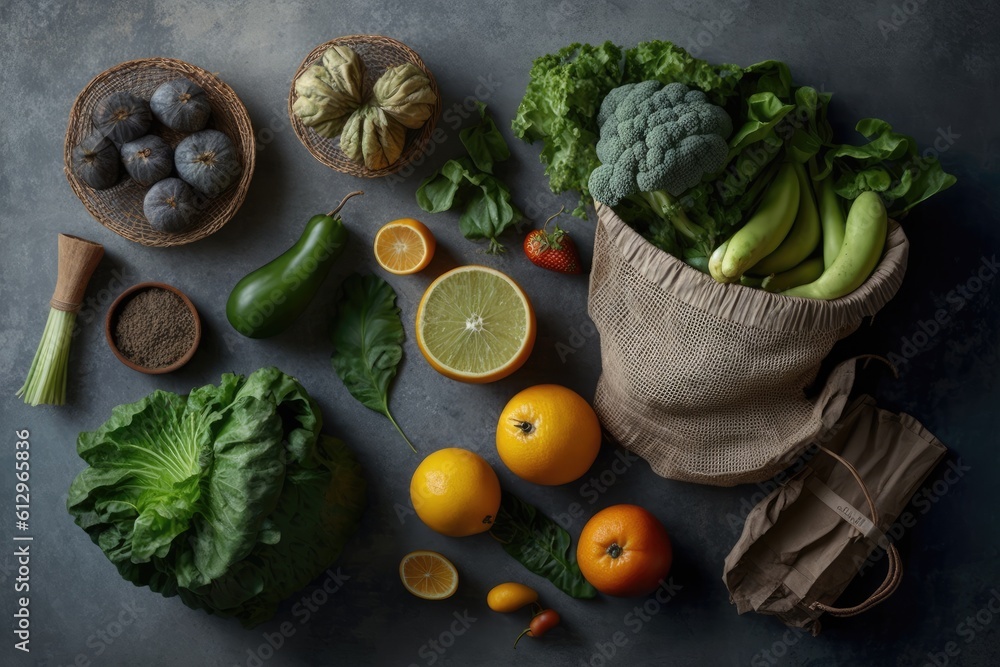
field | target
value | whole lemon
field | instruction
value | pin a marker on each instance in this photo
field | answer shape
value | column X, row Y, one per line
column 548, row 434
column 455, row 492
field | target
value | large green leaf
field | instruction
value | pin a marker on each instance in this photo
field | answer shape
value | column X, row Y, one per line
column 540, row 545
column 367, row 336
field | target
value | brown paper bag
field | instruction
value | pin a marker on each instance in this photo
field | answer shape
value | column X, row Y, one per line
column 804, row 543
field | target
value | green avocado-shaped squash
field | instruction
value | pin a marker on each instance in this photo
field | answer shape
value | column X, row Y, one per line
column 266, row 301
column 207, row 160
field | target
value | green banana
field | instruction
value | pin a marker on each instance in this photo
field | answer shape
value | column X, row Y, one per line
column 832, row 217
column 806, row 272
column 864, row 240
column 715, row 264
column 751, row 281
column 803, row 237
column 767, row 227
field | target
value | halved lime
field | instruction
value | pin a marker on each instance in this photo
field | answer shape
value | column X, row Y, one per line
column 475, row 324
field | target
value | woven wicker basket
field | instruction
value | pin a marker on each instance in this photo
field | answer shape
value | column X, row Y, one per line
column 378, row 53
column 119, row 208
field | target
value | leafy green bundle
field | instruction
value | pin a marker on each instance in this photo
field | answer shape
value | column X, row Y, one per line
column 772, row 120
column 229, row 497
column 470, row 183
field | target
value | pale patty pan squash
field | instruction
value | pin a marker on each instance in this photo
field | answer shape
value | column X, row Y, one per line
column 330, row 91
column 207, row 160
column 181, row 105
column 372, row 137
column 405, row 93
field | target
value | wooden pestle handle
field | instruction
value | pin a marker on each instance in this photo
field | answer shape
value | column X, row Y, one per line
column 78, row 258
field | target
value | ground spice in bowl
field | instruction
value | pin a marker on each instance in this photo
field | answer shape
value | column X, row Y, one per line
column 153, row 328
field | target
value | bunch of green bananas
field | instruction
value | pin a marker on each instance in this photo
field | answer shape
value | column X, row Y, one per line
column 793, row 246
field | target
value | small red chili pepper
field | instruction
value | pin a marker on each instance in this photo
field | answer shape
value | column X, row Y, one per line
column 542, row 622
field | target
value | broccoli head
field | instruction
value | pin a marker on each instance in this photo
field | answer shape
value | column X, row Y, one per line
column 656, row 137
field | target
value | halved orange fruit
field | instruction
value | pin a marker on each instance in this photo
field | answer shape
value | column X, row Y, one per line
column 428, row 575
column 404, row 246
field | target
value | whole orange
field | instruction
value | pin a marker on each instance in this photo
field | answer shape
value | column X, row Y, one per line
column 455, row 492
column 624, row 551
column 548, row 434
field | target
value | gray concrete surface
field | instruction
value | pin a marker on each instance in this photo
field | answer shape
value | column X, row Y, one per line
column 930, row 68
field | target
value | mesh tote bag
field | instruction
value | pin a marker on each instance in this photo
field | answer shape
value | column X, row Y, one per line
column 707, row 381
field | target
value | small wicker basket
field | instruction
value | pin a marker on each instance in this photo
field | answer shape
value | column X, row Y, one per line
column 119, row 208
column 378, row 53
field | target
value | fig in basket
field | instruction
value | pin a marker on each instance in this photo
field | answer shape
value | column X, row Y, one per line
column 181, row 105
column 170, row 206
column 330, row 91
column 208, row 162
column 122, row 117
column 148, row 159
column 96, row 161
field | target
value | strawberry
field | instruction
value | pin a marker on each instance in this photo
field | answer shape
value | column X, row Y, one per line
column 553, row 250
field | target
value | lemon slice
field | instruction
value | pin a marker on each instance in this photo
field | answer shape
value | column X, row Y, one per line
column 404, row 246
column 475, row 324
column 428, row 575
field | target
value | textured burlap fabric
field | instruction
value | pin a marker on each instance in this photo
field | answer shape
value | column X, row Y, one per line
column 706, row 381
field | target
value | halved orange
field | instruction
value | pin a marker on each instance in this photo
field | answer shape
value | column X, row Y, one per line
column 428, row 575
column 404, row 246
column 475, row 324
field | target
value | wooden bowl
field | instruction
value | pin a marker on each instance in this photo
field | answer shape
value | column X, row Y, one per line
column 378, row 54
column 119, row 208
column 109, row 321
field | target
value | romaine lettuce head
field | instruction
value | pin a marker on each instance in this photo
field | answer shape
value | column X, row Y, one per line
column 228, row 497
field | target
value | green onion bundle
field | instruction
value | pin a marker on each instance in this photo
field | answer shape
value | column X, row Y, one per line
column 46, row 381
